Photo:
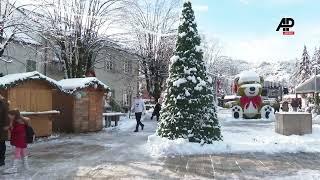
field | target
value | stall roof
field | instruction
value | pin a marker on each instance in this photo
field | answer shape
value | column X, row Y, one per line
column 74, row 84
column 309, row 85
column 12, row 80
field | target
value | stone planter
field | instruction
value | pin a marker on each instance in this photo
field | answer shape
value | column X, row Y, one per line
column 293, row 123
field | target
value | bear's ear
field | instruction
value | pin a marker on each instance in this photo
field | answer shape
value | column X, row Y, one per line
column 236, row 81
column 261, row 80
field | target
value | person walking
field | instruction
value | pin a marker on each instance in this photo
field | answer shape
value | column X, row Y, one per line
column 285, row 106
column 276, row 106
column 3, row 130
column 18, row 126
column 300, row 103
column 156, row 111
column 295, row 104
column 138, row 107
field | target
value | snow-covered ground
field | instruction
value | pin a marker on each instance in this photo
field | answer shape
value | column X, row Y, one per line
column 240, row 136
column 119, row 153
column 300, row 175
column 67, row 156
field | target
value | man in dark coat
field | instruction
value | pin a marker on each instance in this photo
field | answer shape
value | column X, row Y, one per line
column 3, row 126
column 156, row 111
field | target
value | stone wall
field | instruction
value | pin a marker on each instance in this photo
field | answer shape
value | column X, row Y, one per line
column 293, row 123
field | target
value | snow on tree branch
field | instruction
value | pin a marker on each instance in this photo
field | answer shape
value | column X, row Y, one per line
column 12, row 24
column 76, row 31
column 152, row 27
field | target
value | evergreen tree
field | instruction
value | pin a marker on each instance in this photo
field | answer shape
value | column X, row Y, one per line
column 314, row 57
column 305, row 66
column 316, row 60
column 294, row 78
column 318, row 57
column 189, row 110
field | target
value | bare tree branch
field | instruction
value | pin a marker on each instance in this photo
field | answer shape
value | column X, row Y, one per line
column 152, row 30
column 76, row 31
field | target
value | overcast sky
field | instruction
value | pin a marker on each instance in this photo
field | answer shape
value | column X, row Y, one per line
column 247, row 28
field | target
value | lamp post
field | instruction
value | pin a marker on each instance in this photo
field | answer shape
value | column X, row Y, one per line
column 281, row 91
column 315, row 81
column 315, row 87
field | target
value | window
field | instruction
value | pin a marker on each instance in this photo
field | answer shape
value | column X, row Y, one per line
column 125, row 100
column 112, row 93
column 55, row 65
column 31, row 65
column 285, row 91
column 264, row 92
column 109, row 65
column 127, row 67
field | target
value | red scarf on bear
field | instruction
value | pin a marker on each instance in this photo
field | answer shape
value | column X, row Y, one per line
column 245, row 101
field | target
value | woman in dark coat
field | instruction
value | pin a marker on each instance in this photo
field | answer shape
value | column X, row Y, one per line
column 156, row 111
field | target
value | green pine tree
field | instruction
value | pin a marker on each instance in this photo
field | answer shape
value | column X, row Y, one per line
column 189, row 111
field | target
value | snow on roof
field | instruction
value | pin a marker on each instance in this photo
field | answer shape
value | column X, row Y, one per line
column 309, row 86
column 12, row 79
column 66, row 85
column 291, row 96
column 227, row 97
column 74, row 84
column 26, row 39
column 248, row 76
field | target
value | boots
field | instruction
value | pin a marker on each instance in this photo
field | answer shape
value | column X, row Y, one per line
column 25, row 163
column 14, row 168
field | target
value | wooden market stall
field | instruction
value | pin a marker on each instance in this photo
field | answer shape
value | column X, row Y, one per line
column 31, row 93
column 81, row 105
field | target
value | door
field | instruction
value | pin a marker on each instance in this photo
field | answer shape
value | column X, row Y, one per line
column 92, row 111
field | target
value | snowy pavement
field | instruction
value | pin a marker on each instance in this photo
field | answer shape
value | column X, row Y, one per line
column 118, row 153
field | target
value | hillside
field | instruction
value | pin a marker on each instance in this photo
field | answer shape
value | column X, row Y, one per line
column 226, row 68
column 277, row 71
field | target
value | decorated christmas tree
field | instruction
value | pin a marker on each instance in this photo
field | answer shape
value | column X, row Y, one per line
column 189, row 110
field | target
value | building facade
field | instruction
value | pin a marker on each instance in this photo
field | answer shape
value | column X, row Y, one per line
column 114, row 66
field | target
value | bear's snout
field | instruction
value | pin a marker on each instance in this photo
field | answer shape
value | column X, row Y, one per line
column 252, row 88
